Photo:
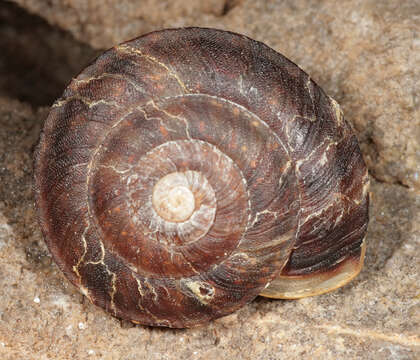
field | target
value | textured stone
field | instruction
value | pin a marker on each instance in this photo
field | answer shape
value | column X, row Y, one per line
column 364, row 53
column 104, row 24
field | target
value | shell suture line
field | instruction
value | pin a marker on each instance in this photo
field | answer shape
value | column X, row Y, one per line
column 128, row 49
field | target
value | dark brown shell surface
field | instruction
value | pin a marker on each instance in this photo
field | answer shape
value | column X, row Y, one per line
column 189, row 170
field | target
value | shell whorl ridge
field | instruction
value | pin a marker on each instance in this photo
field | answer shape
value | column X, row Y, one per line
column 189, row 170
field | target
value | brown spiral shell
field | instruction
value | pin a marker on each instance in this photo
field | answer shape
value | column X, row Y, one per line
column 184, row 171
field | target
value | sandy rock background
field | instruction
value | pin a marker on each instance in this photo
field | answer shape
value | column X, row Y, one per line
column 364, row 53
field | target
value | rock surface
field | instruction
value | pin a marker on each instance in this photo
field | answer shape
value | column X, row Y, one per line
column 104, row 24
column 363, row 53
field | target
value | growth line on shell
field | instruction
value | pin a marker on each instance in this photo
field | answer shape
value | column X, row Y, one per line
column 263, row 212
column 108, row 75
column 310, row 119
column 324, row 158
column 193, row 269
column 139, row 286
column 275, row 241
column 87, row 102
column 115, row 169
column 350, row 200
column 266, row 211
column 83, row 238
column 309, row 87
column 102, row 258
column 187, row 127
column 339, row 217
column 142, row 109
column 285, row 171
column 113, row 290
column 129, row 50
column 338, row 112
column 152, row 290
column 84, row 164
column 245, row 110
column 140, row 291
column 101, row 261
column 299, row 214
column 317, row 214
column 100, row 142
column 365, row 188
column 342, row 239
column 300, row 162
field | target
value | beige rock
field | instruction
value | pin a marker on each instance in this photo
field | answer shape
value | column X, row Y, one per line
column 103, row 24
column 361, row 52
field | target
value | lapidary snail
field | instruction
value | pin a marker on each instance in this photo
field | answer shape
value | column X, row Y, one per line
column 187, row 171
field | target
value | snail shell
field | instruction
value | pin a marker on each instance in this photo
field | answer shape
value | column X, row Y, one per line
column 189, row 170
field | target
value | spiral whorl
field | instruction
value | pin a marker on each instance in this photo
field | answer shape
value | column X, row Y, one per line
column 173, row 196
column 168, row 176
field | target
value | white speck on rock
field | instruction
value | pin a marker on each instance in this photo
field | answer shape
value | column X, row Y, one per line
column 69, row 330
column 409, row 247
column 82, row 326
column 5, row 233
column 37, row 300
column 61, row 302
column 91, row 352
